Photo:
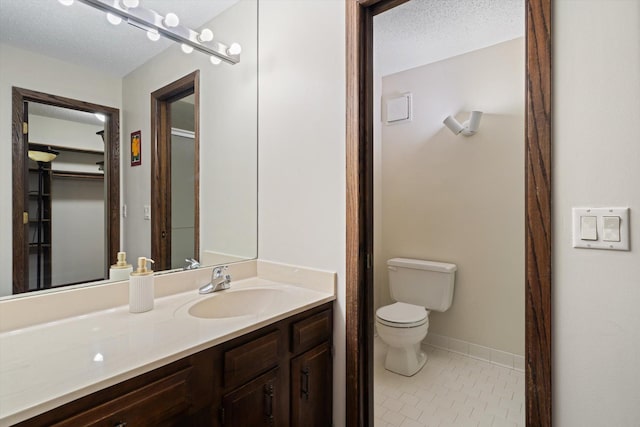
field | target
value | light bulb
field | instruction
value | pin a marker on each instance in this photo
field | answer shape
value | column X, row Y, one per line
column 154, row 36
column 171, row 20
column 131, row 3
column 66, row 2
column 206, row 35
column 186, row 48
column 234, row 49
column 214, row 60
column 113, row 19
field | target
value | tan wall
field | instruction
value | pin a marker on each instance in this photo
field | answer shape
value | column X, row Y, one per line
column 461, row 199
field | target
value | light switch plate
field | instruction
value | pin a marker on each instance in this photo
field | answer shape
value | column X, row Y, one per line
column 600, row 214
column 147, row 212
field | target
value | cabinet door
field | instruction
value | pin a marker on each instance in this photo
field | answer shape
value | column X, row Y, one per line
column 253, row 404
column 311, row 388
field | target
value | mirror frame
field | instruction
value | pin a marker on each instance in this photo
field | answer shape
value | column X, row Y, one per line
column 20, row 174
column 359, row 203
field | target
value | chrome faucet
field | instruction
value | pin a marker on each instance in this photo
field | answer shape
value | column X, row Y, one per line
column 219, row 281
column 192, row 264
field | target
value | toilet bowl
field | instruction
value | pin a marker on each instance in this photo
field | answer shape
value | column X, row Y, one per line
column 403, row 327
column 417, row 286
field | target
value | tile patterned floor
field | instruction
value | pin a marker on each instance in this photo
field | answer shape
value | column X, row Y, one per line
column 451, row 390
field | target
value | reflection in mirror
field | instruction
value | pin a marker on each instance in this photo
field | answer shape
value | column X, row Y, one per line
column 67, row 197
column 184, row 236
column 118, row 66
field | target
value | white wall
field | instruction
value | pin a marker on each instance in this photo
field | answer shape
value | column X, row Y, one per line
column 228, row 138
column 32, row 71
column 302, row 147
column 596, row 162
column 77, row 209
column 458, row 199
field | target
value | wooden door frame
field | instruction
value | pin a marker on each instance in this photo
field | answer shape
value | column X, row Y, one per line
column 161, row 100
column 359, row 245
column 20, row 171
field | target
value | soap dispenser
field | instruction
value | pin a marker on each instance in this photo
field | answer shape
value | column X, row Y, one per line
column 120, row 270
column 141, row 287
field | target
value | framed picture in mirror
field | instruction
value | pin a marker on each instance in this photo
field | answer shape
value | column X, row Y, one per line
column 136, row 148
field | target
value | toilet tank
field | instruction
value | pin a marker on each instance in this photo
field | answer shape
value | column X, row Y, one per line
column 419, row 282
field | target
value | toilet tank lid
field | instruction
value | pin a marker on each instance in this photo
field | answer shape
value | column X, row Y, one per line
column 419, row 264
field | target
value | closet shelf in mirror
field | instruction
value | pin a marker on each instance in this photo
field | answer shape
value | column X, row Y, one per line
column 77, row 175
column 69, row 149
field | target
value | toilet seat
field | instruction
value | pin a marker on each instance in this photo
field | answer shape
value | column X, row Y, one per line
column 402, row 315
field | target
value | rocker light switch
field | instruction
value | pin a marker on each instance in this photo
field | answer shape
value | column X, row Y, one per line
column 601, row 228
column 589, row 228
column 611, row 228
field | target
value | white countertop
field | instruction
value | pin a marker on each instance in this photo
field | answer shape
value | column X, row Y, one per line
column 47, row 365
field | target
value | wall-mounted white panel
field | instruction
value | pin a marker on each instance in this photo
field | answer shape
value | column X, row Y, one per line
column 398, row 109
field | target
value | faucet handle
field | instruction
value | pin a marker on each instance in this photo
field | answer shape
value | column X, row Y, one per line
column 192, row 264
column 218, row 271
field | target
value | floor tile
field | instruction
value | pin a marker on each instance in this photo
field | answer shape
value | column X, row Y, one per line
column 451, row 390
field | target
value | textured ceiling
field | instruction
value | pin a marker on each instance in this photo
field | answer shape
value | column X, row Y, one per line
column 81, row 35
column 424, row 31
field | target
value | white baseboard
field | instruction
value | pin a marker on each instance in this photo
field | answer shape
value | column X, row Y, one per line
column 475, row 351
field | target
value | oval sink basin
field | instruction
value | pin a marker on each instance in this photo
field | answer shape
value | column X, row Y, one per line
column 243, row 302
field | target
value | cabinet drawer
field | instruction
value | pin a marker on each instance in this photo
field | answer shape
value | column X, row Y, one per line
column 152, row 404
column 246, row 361
column 311, row 331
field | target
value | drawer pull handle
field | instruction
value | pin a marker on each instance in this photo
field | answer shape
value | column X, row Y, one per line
column 305, row 383
column 268, row 402
column 120, row 424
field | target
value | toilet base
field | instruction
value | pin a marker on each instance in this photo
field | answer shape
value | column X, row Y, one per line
column 405, row 361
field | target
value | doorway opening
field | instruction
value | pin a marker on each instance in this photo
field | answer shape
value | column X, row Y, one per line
column 175, row 188
column 359, row 304
column 45, row 190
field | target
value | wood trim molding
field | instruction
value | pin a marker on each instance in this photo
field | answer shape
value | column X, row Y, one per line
column 19, row 153
column 359, row 173
column 538, row 240
column 359, row 343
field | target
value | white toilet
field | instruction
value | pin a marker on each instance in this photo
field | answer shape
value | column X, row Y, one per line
column 418, row 286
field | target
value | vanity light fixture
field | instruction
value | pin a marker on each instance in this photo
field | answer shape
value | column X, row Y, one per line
column 113, row 19
column 467, row 128
column 168, row 26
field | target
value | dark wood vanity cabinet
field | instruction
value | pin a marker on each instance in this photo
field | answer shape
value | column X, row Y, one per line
column 254, row 403
column 279, row 375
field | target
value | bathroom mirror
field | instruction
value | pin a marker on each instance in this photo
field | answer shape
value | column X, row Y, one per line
column 72, row 52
